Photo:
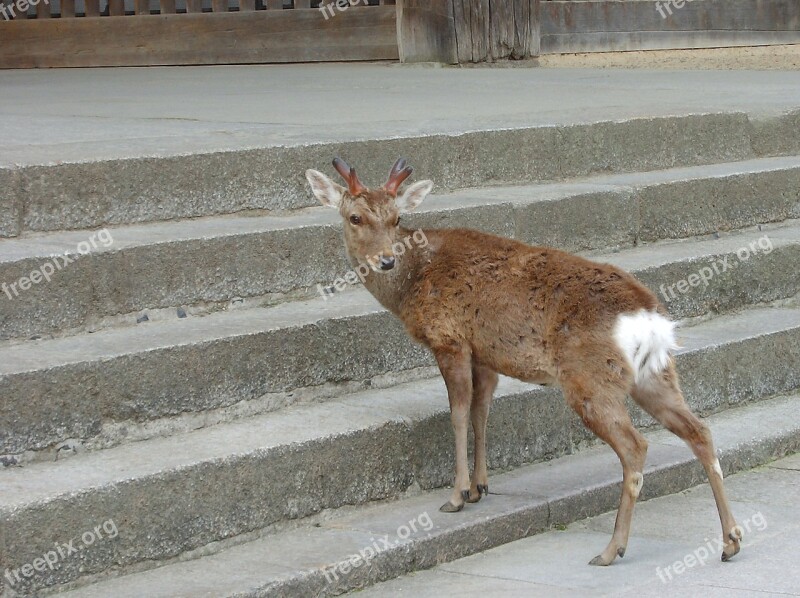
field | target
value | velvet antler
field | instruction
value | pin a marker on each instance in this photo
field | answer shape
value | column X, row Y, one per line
column 349, row 174
column 399, row 173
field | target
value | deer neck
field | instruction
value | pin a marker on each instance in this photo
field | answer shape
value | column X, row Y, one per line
column 392, row 287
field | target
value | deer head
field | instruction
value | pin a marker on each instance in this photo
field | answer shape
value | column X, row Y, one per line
column 371, row 216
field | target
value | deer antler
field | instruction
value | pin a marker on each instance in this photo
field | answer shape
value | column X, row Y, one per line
column 399, row 173
column 349, row 174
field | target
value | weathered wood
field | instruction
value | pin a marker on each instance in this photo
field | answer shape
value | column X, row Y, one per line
column 425, row 31
column 219, row 5
column 116, row 8
column 194, row 6
column 510, row 34
column 43, row 10
column 623, row 41
column 140, row 7
column 359, row 33
column 67, row 9
column 605, row 16
column 619, row 25
column 274, row 4
column 247, row 5
column 536, row 28
column 92, row 8
column 167, row 7
column 478, row 33
column 488, row 30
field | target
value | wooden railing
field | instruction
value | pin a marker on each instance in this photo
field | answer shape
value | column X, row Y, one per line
column 164, row 32
column 46, row 9
column 76, row 33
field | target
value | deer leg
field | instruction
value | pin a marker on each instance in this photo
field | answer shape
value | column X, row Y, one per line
column 484, row 383
column 456, row 368
column 663, row 399
column 603, row 412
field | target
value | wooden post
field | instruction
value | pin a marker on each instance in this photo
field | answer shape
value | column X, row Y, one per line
column 426, row 31
column 461, row 31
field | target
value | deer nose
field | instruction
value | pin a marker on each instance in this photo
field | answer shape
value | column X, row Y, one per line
column 387, row 263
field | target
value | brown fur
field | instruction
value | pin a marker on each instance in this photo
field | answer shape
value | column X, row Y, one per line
column 486, row 305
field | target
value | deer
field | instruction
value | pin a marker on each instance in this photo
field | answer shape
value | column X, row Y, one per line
column 486, row 305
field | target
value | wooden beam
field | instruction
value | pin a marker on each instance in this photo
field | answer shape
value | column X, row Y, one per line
column 618, row 25
column 359, row 33
column 622, row 41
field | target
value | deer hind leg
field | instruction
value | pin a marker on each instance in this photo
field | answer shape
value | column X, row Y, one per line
column 662, row 398
column 484, row 383
column 456, row 368
column 602, row 409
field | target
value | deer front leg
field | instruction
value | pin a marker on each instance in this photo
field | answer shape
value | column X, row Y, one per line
column 456, row 368
column 484, row 383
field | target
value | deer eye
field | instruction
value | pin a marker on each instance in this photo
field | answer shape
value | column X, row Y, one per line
column 355, row 219
column 397, row 222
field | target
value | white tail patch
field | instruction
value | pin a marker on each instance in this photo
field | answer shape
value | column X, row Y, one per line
column 647, row 339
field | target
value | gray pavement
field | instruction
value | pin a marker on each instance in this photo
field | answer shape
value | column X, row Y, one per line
column 670, row 537
column 75, row 115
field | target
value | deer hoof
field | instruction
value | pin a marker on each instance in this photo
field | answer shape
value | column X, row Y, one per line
column 474, row 499
column 601, row 560
column 449, row 507
column 730, row 551
column 598, row 561
column 621, row 552
column 481, row 492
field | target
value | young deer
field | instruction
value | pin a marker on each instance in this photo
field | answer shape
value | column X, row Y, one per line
column 486, row 305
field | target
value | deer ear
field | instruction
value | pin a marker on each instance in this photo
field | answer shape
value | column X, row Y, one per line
column 414, row 196
column 325, row 190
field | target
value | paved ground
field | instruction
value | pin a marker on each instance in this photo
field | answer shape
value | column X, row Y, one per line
column 85, row 114
column 665, row 531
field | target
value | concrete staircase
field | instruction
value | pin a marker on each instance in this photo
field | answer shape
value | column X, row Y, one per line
column 186, row 380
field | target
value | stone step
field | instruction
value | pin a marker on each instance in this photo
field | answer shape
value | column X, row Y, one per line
column 181, row 493
column 95, row 193
column 200, row 265
column 122, row 384
column 351, row 549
